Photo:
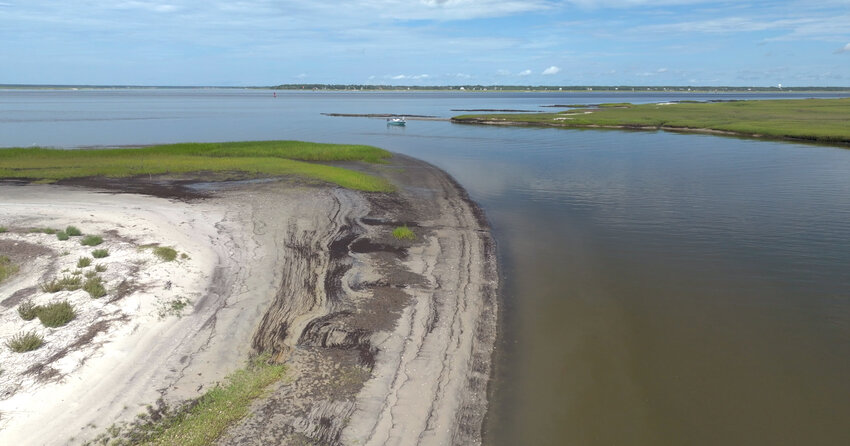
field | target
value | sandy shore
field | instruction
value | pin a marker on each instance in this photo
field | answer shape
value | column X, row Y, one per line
column 386, row 341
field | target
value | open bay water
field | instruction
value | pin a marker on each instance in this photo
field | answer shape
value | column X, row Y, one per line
column 658, row 288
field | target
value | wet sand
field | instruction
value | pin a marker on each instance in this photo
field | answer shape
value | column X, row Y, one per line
column 386, row 341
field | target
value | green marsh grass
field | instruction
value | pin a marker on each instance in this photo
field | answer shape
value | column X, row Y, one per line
column 56, row 314
column 91, row 240
column 67, row 283
column 100, row 253
column 94, row 286
column 73, row 231
column 165, row 253
column 25, row 342
column 203, row 422
column 404, row 233
column 7, row 268
column 28, row 310
column 823, row 120
column 254, row 157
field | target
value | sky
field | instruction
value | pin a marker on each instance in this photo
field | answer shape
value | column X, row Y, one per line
column 426, row 42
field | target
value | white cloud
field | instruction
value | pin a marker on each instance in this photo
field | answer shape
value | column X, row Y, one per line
column 525, row 72
column 661, row 70
column 845, row 49
column 551, row 70
column 399, row 77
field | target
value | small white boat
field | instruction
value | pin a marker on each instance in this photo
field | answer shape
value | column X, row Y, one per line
column 396, row 121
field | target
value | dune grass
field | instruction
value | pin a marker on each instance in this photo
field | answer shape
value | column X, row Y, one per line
column 203, row 421
column 404, row 233
column 73, row 231
column 253, row 157
column 165, row 253
column 822, row 120
column 25, row 342
column 95, row 287
column 100, row 253
column 28, row 310
column 91, row 240
column 56, row 314
column 83, row 262
column 7, row 268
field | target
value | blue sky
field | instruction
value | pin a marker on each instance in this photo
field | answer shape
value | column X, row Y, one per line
column 426, row 42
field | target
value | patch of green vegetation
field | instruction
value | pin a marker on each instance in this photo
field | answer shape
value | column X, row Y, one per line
column 165, row 253
column 3, row 229
column 62, row 235
column 49, row 231
column 83, row 262
column 7, row 268
column 25, row 342
column 252, row 157
column 821, row 120
column 100, row 253
column 184, row 256
column 28, row 310
column 73, row 231
column 67, row 283
column 56, row 314
column 404, row 233
column 91, row 240
column 95, row 287
column 100, row 267
column 173, row 307
column 201, row 422
column 89, row 274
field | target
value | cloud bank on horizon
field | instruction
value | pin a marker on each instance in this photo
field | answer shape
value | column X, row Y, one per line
column 426, row 42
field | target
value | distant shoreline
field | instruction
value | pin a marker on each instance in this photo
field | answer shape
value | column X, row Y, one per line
column 455, row 88
column 800, row 120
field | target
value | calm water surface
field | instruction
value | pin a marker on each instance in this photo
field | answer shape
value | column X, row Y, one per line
column 658, row 288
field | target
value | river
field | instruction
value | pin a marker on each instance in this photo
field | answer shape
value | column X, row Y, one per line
column 658, row 288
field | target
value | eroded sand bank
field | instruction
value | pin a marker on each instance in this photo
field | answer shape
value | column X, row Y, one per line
column 386, row 341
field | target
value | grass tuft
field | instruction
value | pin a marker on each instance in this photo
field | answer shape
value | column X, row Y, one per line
column 73, row 231
column 94, row 286
column 25, row 342
column 67, row 283
column 91, row 240
column 28, row 310
column 100, row 268
column 165, row 253
column 56, row 314
column 7, row 268
column 83, row 262
column 62, row 235
column 404, row 233
column 100, row 253
column 3, row 229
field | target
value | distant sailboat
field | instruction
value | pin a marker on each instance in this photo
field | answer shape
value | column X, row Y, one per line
column 396, row 121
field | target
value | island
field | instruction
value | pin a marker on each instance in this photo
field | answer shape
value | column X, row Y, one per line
column 809, row 120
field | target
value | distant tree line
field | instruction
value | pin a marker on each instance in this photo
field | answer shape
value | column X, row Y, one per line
column 627, row 88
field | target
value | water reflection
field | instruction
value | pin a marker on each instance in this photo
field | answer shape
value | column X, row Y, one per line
column 658, row 288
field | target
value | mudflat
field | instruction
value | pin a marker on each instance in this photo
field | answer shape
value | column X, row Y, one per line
column 386, row 341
